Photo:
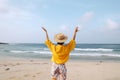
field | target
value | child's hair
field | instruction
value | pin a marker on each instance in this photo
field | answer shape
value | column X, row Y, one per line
column 60, row 43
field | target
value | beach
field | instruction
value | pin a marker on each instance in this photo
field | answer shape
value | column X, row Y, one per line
column 39, row 69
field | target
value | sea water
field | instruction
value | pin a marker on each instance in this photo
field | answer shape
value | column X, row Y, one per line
column 108, row 52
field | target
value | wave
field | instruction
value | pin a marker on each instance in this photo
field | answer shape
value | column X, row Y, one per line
column 95, row 55
column 72, row 54
column 17, row 51
column 40, row 52
column 94, row 49
column 46, row 49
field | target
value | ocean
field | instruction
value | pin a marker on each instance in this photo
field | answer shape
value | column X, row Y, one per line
column 94, row 52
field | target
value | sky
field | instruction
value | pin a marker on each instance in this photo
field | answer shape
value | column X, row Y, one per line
column 98, row 20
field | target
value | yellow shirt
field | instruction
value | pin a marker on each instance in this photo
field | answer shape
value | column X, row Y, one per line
column 60, row 53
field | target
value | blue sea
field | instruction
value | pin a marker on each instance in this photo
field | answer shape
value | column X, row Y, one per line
column 94, row 52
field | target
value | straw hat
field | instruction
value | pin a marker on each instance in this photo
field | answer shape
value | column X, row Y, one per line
column 60, row 38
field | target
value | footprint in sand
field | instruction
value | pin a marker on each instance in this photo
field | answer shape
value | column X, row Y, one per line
column 17, row 63
column 7, row 69
column 26, row 75
column 38, row 73
column 44, row 63
column 13, row 78
column 33, row 76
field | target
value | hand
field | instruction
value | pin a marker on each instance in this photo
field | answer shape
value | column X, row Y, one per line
column 46, row 33
column 44, row 29
column 76, row 29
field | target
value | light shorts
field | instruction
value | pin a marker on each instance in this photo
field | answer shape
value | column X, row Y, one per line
column 58, row 71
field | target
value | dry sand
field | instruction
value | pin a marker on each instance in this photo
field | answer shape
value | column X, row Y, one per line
column 21, row 69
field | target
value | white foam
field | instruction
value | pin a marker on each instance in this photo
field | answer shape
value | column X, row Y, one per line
column 93, row 49
column 96, row 54
column 38, row 52
column 73, row 54
column 15, row 51
column 42, row 52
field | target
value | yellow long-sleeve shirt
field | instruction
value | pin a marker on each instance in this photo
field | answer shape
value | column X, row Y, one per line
column 60, row 53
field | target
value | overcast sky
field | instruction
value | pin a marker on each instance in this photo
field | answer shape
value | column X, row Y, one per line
column 98, row 20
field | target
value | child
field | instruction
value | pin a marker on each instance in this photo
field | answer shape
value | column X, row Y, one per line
column 60, row 53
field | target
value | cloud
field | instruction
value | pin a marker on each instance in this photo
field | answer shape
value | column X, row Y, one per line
column 64, row 27
column 16, row 23
column 4, row 6
column 8, row 11
column 111, row 25
column 11, row 13
column 87, row 17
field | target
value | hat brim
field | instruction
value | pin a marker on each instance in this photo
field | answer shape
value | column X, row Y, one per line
column 61, row 41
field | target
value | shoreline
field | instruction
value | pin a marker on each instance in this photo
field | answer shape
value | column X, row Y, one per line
column 35, row 69
column 81, row 59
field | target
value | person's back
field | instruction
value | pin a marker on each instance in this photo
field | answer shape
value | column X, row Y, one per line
column 60, row 53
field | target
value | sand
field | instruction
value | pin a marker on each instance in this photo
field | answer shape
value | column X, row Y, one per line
column 21, row 69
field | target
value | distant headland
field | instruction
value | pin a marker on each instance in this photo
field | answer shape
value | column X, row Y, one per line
column 3, row 43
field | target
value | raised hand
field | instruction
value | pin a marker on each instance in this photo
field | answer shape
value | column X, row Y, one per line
column 76, row 29
column 46, row 33
column 44, row 29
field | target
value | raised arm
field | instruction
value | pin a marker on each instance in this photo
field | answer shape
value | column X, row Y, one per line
column 76, row 30
column 46, row 33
